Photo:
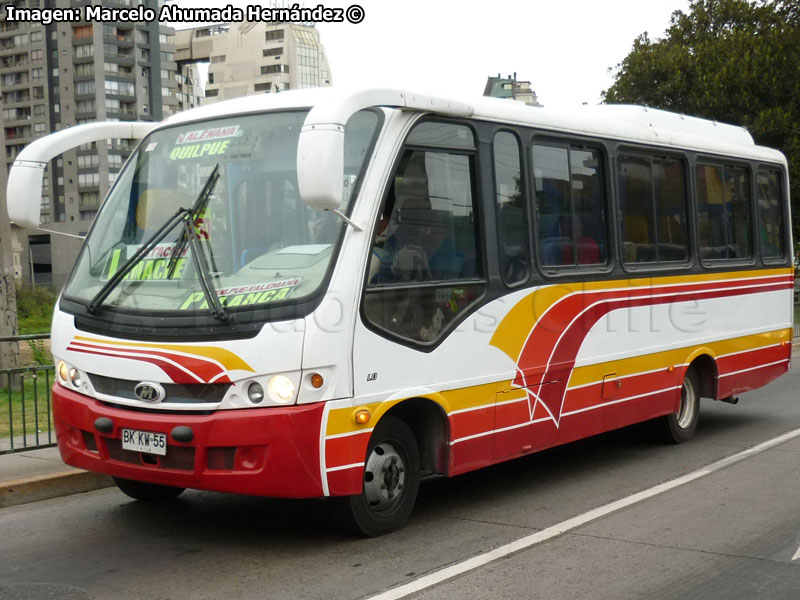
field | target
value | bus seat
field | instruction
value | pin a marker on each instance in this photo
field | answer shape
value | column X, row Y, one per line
column 554, row 249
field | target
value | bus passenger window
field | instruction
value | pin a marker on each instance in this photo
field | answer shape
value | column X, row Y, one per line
column 636, row 200
column 570, row 205
column 425, row 251
column 511, row 211
column 653, row 201
column 770, row 214
column 723, row 212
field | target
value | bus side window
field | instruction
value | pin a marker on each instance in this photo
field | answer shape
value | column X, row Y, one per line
column 723, row 212
column 770, row 214
column 426, row 257
column 511, row 211
column 570, row 205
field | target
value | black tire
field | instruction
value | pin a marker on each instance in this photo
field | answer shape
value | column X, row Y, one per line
column 391, row 481
column 147, row 492
column 679, row 427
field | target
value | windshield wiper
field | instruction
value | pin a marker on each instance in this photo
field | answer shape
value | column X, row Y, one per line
column 201, row 259
column 188, row 216
column 203, row 274
column 193, row 214
column 156, row 238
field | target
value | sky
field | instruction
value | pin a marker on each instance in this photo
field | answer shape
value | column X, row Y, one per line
column 563, row 47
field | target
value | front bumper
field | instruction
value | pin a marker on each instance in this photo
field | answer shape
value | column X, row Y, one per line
column 263, row 451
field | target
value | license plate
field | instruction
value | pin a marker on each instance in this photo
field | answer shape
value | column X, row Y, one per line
column 144, row 441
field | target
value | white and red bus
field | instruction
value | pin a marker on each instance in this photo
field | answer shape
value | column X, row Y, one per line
column 321, row 293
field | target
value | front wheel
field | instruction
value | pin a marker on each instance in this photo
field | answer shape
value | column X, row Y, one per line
column 391, row 480
column 147, row 492
column 679, row 427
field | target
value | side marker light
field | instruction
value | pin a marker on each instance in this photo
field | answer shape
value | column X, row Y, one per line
column 362, row 416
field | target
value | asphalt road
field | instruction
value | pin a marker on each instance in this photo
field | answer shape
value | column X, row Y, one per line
column 732, row 534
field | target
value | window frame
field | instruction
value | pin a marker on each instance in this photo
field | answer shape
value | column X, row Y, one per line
column 788, row 251
column 690, row 192
column 479, row 210
column 568, row 143
column 723, row 162
column 526, row 207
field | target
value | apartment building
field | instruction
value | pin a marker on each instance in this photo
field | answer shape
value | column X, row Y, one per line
column 509, row 87
column 59, row 75
column 253, row 58
column 63, row 74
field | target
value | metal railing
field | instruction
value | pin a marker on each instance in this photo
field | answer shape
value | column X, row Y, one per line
column 26, row 417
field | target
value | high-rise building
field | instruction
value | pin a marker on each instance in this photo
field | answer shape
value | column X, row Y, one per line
column 509, row 87
column 252, row 58
column 59, row 75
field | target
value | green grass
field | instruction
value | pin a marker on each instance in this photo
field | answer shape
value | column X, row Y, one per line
column 37, row 386
column 34, row 310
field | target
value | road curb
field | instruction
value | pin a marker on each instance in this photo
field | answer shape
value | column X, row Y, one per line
column 55, row 485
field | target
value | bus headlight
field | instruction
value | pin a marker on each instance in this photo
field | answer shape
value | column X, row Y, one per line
column 75, row 377
column 63, row 371
column 280, row 389
column 255, row 393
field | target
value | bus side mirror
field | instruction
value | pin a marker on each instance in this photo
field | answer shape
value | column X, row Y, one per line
column 320, row 165
column 24, row 184
column 24, row 190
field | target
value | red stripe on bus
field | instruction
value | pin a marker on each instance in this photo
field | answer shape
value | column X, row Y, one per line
column 173, row 372
column 565, row 350
column 205, row 370
column 346, row 450
column 471, row 422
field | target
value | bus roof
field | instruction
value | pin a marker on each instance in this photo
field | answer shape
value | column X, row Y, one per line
column 626, row 123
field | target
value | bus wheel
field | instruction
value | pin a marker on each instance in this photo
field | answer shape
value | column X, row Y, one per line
column 391, row 480
column 148, row 492
column 679, row 427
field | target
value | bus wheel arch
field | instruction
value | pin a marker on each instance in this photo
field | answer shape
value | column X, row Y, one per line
column 705, row 367
column 390, row 483
column 429, row 423
column 408, row 441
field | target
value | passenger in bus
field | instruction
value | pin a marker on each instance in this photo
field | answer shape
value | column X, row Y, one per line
column 557, row 248
column 419, row 243
column 378, row 251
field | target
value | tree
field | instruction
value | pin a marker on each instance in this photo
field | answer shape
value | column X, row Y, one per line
column 735, row 61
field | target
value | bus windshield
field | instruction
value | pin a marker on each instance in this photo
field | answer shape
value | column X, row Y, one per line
column 254, row 241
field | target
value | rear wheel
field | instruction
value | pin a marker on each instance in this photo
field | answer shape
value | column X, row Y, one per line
column 391, row 480
column 147, row 492
column 679, row 427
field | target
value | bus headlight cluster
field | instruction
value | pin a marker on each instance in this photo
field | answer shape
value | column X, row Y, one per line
column 280, row 389
column 69, row 376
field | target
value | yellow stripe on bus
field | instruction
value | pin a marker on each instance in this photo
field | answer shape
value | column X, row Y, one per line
column 663, row 360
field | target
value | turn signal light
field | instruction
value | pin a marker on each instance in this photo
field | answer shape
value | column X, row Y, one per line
column 316, row 380
column 362, row 416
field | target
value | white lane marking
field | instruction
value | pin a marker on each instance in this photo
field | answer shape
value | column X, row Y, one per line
column 526, row 542
column 796, row 555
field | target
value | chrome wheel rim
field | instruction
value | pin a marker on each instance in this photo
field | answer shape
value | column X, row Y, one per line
column 385, row 476
column 688, row 404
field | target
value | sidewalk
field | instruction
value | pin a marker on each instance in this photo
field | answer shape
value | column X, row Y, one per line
column 39, row 475
column 36, row 475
